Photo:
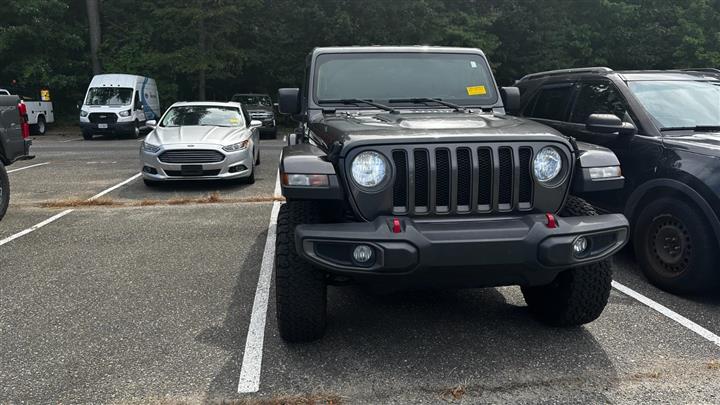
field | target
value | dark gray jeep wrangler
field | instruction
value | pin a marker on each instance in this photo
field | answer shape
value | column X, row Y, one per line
column 405, row 172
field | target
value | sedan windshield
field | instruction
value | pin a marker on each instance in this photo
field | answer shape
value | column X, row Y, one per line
column 109, row 96
column 203, row 115
column 680, row 104
column 459, row 78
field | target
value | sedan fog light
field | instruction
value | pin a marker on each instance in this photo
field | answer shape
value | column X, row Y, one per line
column 580, row 246
column 362, row 253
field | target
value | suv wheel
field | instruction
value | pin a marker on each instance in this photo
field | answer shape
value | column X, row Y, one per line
column 301, row 290
column 4, row 190
column 576, row 296
column 673, row 244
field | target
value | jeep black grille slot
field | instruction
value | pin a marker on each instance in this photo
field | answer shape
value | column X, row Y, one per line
column 422, row 180
column 505, row 190
column 191, row 156
column 400, row 186
column 442, row 180
column 485, row 170
column 525, row 192
column 464, row 175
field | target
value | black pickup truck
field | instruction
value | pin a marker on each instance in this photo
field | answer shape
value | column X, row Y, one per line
column 405, row 172
column 14, row 142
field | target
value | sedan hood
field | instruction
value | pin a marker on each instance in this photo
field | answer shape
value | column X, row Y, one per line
column 197, row 134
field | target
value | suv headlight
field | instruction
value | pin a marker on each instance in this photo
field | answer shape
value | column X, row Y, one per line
column 125, row 113
column 547, row 164
column 369, row 169
column 148, row 147
column 83, row 113
column 237, row 146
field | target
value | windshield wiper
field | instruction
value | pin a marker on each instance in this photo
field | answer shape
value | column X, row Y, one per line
column 360, row 101
column 424, row 100
column 697, row 128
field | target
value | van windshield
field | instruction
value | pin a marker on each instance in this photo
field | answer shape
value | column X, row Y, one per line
column 109, row 96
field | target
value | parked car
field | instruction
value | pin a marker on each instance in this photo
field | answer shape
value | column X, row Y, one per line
column 14, row 142
column 407, row 173
column 201, row 141
column 119, row 104
column 260, row 107
column 40, row 111
column 664, row 126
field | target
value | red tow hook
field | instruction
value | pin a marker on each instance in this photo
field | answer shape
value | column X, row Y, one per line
column 551, row 221
column 396, row 228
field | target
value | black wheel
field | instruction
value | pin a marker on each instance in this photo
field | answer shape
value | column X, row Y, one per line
column 40, row 127
column 4, row 191
column 151, row 183
column 251, row 178
column 676, row 246
column 88, row 136
column 301, row 290
column 257, row 161
column 135, row 131
column 578, row 295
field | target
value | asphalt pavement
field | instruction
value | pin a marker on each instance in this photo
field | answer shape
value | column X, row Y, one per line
column 152, row 296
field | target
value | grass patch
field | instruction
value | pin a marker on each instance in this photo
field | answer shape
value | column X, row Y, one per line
column 713, row 365
column 212, row 198
column 454, row 393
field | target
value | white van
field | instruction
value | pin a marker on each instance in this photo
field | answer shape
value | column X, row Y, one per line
column 119, row 104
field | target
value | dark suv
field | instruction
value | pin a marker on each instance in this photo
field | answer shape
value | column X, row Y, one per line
column 14, row 142
column 664, row 126
column 260, row 107
column 406, row 172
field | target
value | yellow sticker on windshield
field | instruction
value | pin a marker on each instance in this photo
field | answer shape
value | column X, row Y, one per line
column 476, row 90
column 234, row 121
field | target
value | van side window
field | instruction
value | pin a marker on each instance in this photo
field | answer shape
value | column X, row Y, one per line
column 598, row 98
column 552, row 103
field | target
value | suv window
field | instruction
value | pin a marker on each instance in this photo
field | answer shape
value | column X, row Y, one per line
column 598, row 98
column 552, row 103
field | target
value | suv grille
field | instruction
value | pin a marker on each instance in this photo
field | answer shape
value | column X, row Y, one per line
column 191, row 156
column 462, row 179
column 102, row 118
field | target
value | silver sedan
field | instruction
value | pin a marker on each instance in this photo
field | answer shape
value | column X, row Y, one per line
column 201, row 141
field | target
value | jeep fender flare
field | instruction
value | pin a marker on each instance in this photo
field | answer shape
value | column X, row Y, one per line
column 305, row 158
column 693, row 195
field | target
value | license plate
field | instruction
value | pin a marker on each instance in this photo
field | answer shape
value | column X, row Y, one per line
column 102, row 126
column 191, row 170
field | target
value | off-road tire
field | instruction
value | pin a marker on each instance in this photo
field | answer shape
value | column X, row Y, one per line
column 301, row 290
column 4, row 191
column 577, row 296
column 692, row 267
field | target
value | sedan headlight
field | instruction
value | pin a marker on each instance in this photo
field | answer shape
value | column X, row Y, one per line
column 547, row 164
column 237, row 146
column 148, row 147
column 369, row 169
column 83, row 113
column 125, row 113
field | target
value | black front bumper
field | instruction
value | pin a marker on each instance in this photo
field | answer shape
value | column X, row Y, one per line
column 112, row 127
column 462, row 252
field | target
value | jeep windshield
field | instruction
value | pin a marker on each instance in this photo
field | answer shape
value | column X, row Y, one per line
column 109, row 96
column 680, row 104
column 404, row 79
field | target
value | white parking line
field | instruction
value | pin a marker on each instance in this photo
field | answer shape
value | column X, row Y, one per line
column 668, row 313
column 252, row 357
column 27, row 167
column 62, row 214
column 70, row 140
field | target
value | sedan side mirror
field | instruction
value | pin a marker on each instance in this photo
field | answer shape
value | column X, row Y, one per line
column 255, row 124
column 151, row 123
column 289, row 101
column 511, row 99
column 609, row 124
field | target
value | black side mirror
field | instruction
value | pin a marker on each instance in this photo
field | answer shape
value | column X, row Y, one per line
column 609, row 124
column 289, row 101
column 511, row 99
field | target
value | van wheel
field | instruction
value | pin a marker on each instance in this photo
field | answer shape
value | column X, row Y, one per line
column 135, row 134
column 40, row 127
column 88, row 136
column 4, row 190
column 673, row 243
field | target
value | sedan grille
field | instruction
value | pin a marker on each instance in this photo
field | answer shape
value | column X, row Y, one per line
column 191, row 156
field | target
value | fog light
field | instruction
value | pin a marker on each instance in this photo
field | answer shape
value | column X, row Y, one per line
column 580, row 246
column 362, row 253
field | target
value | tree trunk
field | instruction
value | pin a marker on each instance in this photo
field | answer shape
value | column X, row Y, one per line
column 93, row 11
column 202, row 48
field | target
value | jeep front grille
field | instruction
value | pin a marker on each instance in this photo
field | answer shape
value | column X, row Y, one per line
column 462, row 179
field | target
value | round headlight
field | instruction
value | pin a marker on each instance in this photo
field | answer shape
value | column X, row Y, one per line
column 369, row 169
column 547, row 164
